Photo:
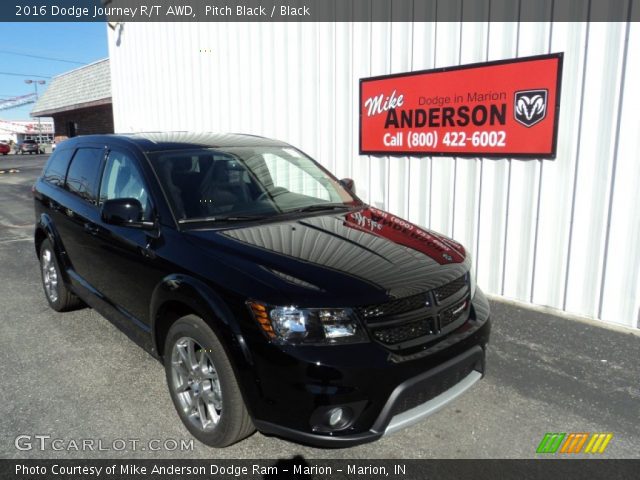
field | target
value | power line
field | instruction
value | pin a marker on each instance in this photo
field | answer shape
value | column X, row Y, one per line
column 22, row 74
column 41, row 57
column 6, row 96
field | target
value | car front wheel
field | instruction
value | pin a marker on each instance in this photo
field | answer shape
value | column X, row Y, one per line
column 203, row 385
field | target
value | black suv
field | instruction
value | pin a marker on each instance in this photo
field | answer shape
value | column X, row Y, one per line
column 275, row 298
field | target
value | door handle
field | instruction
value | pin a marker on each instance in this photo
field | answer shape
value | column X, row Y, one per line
column 91, row 228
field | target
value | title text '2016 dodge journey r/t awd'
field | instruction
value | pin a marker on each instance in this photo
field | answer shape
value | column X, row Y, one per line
column 276, row 299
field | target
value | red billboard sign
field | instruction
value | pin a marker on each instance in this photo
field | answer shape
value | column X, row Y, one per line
column 507, row 108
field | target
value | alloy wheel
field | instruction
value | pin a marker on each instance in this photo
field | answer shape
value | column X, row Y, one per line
column 196, row 384
column 49, row 275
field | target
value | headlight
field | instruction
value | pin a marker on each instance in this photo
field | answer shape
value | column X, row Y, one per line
column 307, row 325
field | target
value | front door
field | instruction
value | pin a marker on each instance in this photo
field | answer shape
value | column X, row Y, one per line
column 128, row 268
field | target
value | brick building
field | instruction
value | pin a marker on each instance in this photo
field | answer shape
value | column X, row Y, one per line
column 79, row 101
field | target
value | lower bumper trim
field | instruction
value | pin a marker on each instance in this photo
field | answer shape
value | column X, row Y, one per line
column 416, row 414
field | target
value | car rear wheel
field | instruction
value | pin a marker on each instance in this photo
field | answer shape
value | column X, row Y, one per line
column 203, row 385
column 57, row 293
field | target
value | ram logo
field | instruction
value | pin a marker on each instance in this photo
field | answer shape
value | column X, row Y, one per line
column 530, row 106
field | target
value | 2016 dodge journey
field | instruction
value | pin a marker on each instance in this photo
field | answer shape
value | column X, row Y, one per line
column 276, row 299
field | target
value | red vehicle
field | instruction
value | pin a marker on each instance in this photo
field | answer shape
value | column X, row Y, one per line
column 4, row 148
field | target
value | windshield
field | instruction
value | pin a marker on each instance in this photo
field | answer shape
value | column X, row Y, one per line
column 240, row 183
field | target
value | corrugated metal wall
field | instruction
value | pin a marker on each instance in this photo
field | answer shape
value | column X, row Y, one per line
column 560, row 233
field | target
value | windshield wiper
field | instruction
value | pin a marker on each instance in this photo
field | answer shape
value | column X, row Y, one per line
column 319, row 207
column 230, row 218
column 246, row 218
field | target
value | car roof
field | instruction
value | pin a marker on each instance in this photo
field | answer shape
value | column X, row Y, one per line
column 162, row 141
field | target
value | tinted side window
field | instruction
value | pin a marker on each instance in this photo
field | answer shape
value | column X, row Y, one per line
column 56, row 168
column 122, row 179
column 83, row 173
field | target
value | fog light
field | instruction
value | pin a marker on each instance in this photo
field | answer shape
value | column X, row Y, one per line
column 335, row 417
column 338, row 418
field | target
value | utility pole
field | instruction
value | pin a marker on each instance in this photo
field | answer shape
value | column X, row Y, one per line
column 35, row 84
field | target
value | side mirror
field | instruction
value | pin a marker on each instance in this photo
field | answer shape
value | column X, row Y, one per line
column 124, row 212
column 349, row 184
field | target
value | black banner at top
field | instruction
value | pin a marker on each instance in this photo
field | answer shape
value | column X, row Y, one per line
column 318, row 10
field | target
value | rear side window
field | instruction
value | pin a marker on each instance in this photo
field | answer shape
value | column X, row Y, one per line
column 82, row 177
column 56, row 168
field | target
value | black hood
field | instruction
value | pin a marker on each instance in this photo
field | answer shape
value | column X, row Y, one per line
column 356, row 253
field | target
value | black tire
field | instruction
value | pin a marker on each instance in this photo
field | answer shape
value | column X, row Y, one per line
column 63, row 300
column 234, row 422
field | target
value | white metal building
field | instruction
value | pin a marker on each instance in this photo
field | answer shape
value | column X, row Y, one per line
column 561, row 233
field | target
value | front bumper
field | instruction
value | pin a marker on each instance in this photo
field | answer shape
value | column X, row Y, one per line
column 469, row 366
column 389, row 392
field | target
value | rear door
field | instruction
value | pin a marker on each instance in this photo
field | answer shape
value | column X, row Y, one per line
column 50, row 193
column 77, row 211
